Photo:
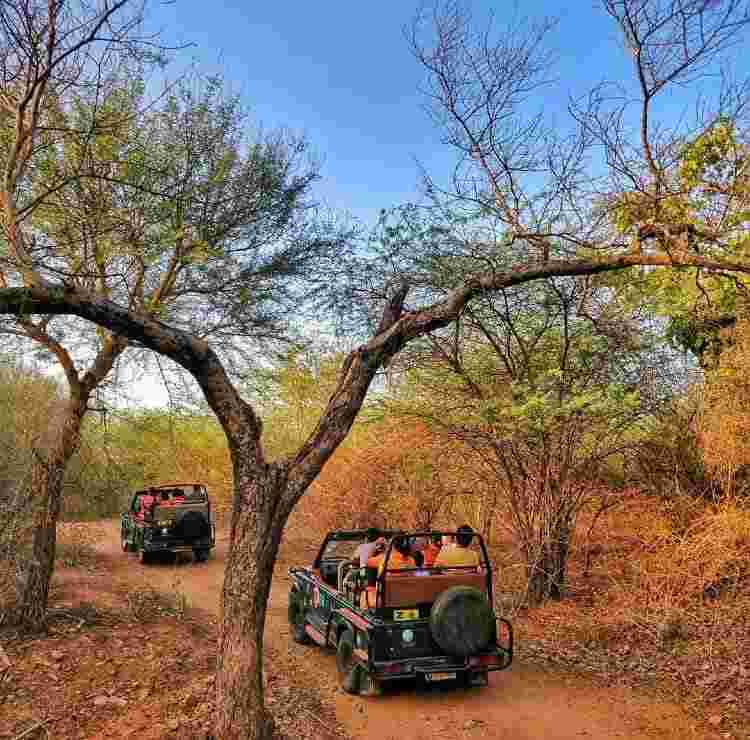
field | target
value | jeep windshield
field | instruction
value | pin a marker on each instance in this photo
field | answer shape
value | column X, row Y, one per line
column 337, row 549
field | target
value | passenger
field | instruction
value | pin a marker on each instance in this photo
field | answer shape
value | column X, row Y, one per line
column 459, row 556
column 419, row 542
column 448, row 540
column 147, row 502
column 375, row 560
column 432, row 551
column 400, row 557
column 373, row 566
column 367, row 548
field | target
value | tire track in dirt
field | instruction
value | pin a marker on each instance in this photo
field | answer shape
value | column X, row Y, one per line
column 522, row 703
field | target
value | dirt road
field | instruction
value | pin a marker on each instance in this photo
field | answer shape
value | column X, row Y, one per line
column 522, row 703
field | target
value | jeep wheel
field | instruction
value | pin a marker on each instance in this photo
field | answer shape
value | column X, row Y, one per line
column 461, row 621
column 296, row 615
column 353, row 676
column 200, row 556
column 349, row 669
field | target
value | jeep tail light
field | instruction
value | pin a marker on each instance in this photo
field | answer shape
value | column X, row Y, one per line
column 484, row 660
column 392, row 668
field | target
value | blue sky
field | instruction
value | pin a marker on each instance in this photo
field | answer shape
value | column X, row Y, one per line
column 341, row 72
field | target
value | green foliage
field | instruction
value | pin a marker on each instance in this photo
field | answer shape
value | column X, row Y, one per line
column 708, row 158
column 293, row 394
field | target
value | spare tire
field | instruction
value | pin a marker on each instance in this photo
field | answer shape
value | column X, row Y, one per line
column 461, row 621
column 192, row 526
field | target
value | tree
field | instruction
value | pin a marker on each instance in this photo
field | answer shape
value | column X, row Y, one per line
column 27, row 401
column 266, row 491
column 548, row 388
column 172, row 207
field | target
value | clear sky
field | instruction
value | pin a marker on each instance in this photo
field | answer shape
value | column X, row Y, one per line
column 342, row 73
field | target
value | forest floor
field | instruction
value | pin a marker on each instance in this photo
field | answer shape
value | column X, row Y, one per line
column 131, row 652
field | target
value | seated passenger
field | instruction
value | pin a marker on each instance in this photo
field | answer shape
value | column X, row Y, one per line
column 368, row 547
column 459, row 556
column 448, row 540
column 400, row 557
column 375, row 560
column 146, row 505
column 373, row 566
column 432, row 551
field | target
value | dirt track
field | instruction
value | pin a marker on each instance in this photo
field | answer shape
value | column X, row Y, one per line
column 522, row 703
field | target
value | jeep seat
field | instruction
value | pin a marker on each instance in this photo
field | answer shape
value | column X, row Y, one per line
column 409, row 590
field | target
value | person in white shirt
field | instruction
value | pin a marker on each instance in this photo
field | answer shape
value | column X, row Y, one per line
column 367, row 548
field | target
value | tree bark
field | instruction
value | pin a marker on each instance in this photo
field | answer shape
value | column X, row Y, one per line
column 47, row 478
column 546, row 568
column 258, row 520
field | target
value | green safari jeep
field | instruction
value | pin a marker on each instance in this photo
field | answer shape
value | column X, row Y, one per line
column 169, row 518
column 430, row 623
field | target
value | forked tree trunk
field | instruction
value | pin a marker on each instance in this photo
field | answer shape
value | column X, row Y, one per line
column 257, row 525
column 47, row 478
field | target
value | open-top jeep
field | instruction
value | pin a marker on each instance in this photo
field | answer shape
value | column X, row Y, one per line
column 170, row 518
column 429, row 623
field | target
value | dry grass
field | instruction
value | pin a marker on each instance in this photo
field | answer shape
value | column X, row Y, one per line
column 667, row 600
column 146, row 604
column 76, row 545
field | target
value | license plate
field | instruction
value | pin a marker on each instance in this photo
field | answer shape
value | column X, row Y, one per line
column 440, row 676
column 401, row 615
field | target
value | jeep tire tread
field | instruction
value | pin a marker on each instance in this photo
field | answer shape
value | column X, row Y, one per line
column 296, row 615
column 462, row 622
column 349, row 670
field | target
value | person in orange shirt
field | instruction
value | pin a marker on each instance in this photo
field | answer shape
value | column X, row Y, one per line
column 373, row 564
column 399, row 559
column 432, row 551
column 400, row 556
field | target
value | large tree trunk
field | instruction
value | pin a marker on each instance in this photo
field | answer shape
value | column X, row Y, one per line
column 47, row 477
column 257, row 524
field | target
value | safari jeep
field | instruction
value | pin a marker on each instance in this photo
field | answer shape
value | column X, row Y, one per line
column 432, row 624
column 169, row 518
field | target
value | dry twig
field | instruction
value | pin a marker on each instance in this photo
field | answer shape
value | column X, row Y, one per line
column 36, row 726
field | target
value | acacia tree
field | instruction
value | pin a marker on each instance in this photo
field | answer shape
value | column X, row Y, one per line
column 547, row 387
column 266, row 491
column 171, row 207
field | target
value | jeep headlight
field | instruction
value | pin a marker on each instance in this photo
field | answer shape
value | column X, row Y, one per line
column 407, row 636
